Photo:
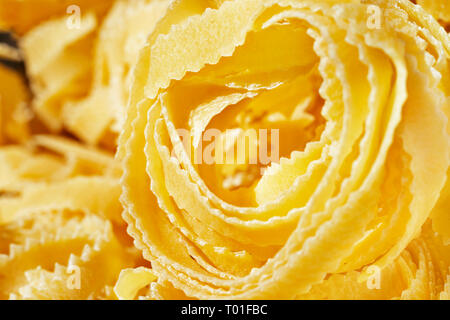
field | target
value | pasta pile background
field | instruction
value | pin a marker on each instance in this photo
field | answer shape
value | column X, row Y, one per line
column 114, row 141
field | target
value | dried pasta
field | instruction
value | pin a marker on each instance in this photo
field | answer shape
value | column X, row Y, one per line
column 14, row 114
column 225, row 149
column 122, row 34
column 60, row 218
column 21, row 16
column 440, row 9
column 59, row 65
column 366, row 167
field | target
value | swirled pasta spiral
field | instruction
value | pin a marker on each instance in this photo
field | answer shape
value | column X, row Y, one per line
column 352, row 203
column 362, row 112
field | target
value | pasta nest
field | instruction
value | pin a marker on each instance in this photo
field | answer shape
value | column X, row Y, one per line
column 361, row 108
column 58, row 241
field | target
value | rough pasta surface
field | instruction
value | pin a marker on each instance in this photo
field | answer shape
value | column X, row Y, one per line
column 211, row 149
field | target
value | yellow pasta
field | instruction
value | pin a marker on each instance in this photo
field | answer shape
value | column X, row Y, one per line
column 121, row 35
column 21, row 16
column 59, row 65
column 131, row 281
column 212, row 149
column 14, row 111
column 60, row 222
column 370, row 171
column 9, row 53
column 440, row 9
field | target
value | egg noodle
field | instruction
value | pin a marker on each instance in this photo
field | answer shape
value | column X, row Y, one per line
column 211, row 149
